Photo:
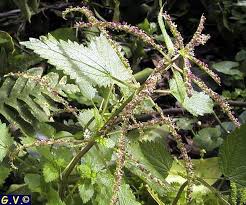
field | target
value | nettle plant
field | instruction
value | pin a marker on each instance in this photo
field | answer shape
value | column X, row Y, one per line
column 94, row 154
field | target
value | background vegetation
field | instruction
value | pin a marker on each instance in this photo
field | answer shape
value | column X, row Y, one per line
column 48, row 115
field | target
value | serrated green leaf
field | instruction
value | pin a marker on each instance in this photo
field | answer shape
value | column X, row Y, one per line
column 228, row 68
column 198, row 104
column 104, row 189
column 232, row 156
column 126, row 197
column 50, row 172
column 209, row 138
column 207, row 169
column 148, row 134
column 185, row 123
column 4, row 173
column 33, row 182
column 158, row 156
column 154, row 166
column 5, row 140
column 53, row 198
column 104, row 193
column 94, row 167
column 62, row 155
column 86, row 192
column 97, row 64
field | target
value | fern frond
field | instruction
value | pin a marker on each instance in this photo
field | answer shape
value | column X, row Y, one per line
column 26, row 99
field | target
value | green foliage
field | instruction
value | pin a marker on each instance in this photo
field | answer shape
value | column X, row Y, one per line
column 86, row 192
column 207, row 169
column 209, row 138
column 228, row 68
column 151, row 162
column 50, row 172
column 30, row 99
column 232, row 154
column 126, row 196
column 28, row 7
column 13, row 59
column 97, row 181
column 3, row 174
column 97, row 64
column 5, row 141
column 185, row 123
column 238, row 93
column 156, row 153
column 198, row 104
column 166, row 37
column 154, row 156
column 53, row 198
column 64, row 34
column 90, row 134
column 34, row 182
column 6, row 42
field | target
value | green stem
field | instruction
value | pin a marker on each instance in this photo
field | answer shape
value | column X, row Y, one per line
column 67, row 171
column 82, row 152
column 220, row 123
column 116, row 17
column 181, row 189
column 163, row 92
column 105, row 104
column 142, row 75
